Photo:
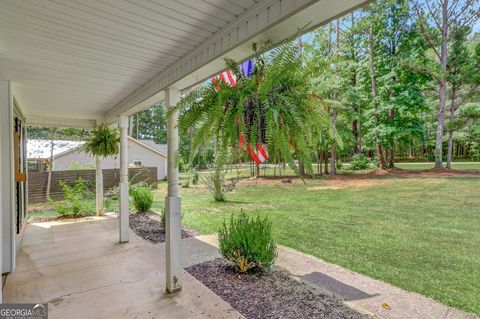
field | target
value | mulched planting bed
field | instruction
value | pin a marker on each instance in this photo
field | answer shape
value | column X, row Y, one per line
column 149, row 227
column 269, row 294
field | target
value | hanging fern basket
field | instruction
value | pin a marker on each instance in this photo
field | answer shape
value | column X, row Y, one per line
column 104, row 141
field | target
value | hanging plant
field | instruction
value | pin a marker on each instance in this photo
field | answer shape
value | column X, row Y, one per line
column 103, row 141
column 275, row 107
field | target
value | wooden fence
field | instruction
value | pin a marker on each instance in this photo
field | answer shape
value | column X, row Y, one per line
column 37, row 181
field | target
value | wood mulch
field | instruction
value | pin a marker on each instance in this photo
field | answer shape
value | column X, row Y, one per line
column 270, row 294
column 148, row 226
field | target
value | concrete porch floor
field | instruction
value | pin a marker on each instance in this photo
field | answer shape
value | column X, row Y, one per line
column 82, row 272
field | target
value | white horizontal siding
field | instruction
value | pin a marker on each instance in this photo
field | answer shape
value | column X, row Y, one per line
column 135, row 152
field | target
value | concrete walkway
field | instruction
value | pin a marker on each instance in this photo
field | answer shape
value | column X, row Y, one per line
column 362, row 293
column 82, row 272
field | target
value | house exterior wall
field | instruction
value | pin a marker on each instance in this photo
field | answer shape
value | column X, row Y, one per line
column 136, row 151
column 8, row 193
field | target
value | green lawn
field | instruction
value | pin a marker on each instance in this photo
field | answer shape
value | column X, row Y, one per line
column 420, row 234
column 459, row 166
column 270, row 170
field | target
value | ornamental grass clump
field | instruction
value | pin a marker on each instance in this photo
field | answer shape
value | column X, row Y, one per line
column 142, row 199
column 248, row 242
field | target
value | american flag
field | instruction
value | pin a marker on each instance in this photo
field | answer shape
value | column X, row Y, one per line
column 259, row 154
column 226, row 77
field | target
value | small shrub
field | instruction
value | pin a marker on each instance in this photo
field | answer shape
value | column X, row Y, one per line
column 74, row 197
column 218, row 185
column 359, row 162
column 61, row 209
column 142, row 198
column 248, row 242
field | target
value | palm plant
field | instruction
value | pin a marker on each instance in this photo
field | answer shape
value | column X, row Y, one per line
column 275, row 106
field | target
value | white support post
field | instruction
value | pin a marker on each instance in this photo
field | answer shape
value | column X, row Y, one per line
column 99, row 187
column 124, row 197
column 7, row 194
column 173, row 213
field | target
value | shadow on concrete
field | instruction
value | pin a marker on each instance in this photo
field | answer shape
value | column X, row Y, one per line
column 335, row 287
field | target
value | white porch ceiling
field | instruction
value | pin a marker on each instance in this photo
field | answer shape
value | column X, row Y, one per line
column 96, row 59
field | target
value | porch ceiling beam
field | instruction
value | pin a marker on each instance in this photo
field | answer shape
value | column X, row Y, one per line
column 34, row 120
column 273, row 20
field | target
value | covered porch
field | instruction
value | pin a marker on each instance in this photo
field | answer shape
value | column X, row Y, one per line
column 80, row 270
column 81, row 64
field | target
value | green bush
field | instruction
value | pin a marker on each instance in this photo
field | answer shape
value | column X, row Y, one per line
column 75, row 198
column 359, row 162
column 142, row 198
column 248, row 242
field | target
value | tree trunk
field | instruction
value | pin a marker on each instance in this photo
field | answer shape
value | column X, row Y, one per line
column 301, row 168
column 391, row 159
column 449, row 150
column 442, row 87
column 50, row 168
column 333, row 155
column 326, row 163
column 373, row 80
column 99, row 187
column 333, row 159
column 356, row 124
column 319, row 163
column 450, row 132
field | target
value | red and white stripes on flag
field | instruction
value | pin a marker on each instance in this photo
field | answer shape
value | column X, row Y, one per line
column 226, row 77
column 259, row 154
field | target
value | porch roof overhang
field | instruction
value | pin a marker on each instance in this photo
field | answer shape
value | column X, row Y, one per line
column 76, row 63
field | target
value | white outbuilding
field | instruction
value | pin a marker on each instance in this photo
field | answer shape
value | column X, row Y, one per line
column 68, row 155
